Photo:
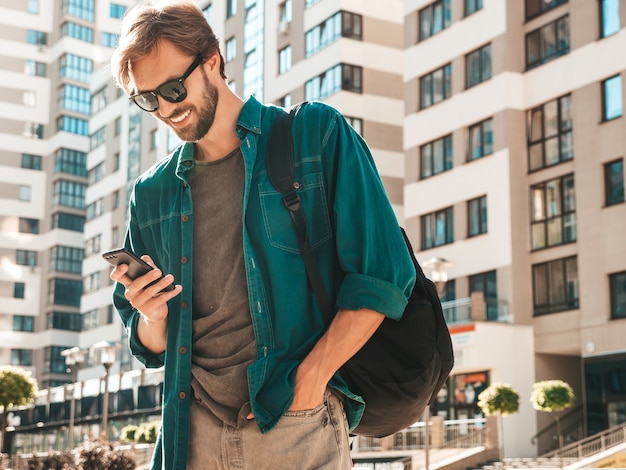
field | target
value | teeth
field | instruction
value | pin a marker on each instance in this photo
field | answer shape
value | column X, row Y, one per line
column 177, row 119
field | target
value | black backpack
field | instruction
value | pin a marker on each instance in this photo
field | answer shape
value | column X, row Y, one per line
column 402, row 367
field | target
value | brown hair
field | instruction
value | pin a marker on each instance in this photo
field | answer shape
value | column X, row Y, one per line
column 180, row 22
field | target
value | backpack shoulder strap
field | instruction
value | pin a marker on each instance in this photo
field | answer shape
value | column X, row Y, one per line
column 280, row 163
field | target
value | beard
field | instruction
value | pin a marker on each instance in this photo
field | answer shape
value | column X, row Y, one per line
column 205, row 112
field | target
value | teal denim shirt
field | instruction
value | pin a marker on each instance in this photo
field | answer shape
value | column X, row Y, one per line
column 356, row 239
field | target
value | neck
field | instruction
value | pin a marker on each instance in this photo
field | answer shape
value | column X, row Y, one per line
column 221, row 138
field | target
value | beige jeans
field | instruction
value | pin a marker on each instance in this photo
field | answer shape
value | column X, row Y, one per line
column 314, row 439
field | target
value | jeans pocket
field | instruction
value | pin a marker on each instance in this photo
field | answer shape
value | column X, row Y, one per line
column 306, row 413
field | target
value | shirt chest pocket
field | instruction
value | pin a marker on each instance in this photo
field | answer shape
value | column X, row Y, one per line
column 277, row 220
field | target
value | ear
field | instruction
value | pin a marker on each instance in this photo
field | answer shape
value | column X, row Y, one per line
column 213, row 62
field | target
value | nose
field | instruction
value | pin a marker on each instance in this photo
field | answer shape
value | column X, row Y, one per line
column 165, row 107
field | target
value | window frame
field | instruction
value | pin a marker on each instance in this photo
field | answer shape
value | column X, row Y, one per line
column 604, row 15
column 614, row 292
column 447, row 156
column 561, row 47
column 483, row 216
column 605, row 97
column 484, row 64
column 542, row 7
column 567, row 303
column 609, row 186
column 448, row 230
column 431, row 10
column 563, row 132
column 485, row 148
column 562, row 213
column 446, row 80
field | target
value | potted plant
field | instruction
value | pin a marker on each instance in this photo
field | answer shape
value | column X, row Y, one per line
column 501, row 400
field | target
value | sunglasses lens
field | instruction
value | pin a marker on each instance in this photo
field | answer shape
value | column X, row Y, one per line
column 173, row 91
column 147, row 101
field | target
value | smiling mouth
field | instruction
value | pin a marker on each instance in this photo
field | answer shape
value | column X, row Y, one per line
column 180, row 117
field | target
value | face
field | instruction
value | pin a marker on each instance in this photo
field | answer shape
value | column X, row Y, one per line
column 192, row 117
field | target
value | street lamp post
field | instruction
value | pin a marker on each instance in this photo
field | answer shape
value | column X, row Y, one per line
column 439, row 276
column 106, row 352
column 74, row 357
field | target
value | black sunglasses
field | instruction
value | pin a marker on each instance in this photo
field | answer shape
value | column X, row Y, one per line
column 173, row 91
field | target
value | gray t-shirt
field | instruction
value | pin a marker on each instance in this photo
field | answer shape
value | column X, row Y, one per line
column 223, row 338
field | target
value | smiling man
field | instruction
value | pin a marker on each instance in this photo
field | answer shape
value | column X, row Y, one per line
column 251, row 375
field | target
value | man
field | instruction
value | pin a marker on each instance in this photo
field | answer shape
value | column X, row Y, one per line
column 250, row 367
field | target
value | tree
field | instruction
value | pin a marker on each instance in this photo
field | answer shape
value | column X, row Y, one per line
column 501, row 400
column 17, row 388
column 553, row 396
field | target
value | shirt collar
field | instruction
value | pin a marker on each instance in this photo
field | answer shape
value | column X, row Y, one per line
column 249, row 121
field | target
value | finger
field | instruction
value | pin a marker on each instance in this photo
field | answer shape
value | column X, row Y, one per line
column 148, row 260
column 250, row 416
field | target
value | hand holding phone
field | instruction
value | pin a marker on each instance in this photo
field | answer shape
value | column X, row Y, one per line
column 136, row 266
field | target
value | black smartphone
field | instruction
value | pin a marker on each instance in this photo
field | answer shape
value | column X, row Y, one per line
column 136, row 266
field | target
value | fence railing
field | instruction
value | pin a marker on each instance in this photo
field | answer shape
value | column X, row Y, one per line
column 593, row 444
column 460, row 433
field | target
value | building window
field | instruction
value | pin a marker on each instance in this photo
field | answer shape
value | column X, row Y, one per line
column 75, row 98
column 69, row 193
column 117, row 11
column 73, row 222
column 21, row 357
column 33, row 7
column 285, row 101
column 231, row 49
column 538, row 7
column 117, row 126
column 553, row 212
column 356, row 123
column 53, row 361
column 77, row 31
column 23, row 323
column 115, row 236
column 90, row 320
column 154, row 139
column 609, row 17
column 79, row 8
column 70, row 161
column 97, row 138
column 284, row 59
column 98, row 101
column 38, row 38
column 547, row 43
column 208, row 13
column 555, row 286
column 33, row 68
column 24, row 193
column 472, row 6
column 64, row 321
column 92, row 245
column 66, row 259
column 115, row 200
column 116, row 161
column 438, row 228
column 26, row 258
column 614, row 182
column 612, row 98
column 341, row 24
column 550, row 134
column 477, row 216
column 73, row 125
column 95, row 209
column 28, row 225
column 480, row 140
column 231, row 8
column 110, row 40
column 478, row 66
column 18, row 290
column 286, row 14
column 64, row 292
column 75, row 67
column 436, row 86
column 91, row 282
column 618, row 295
column 340, row 77
column 31, row 162
column 436, row 157
column 434, row 18
column 487, row 284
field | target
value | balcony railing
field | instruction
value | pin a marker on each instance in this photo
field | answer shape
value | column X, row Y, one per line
column 476, row 308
